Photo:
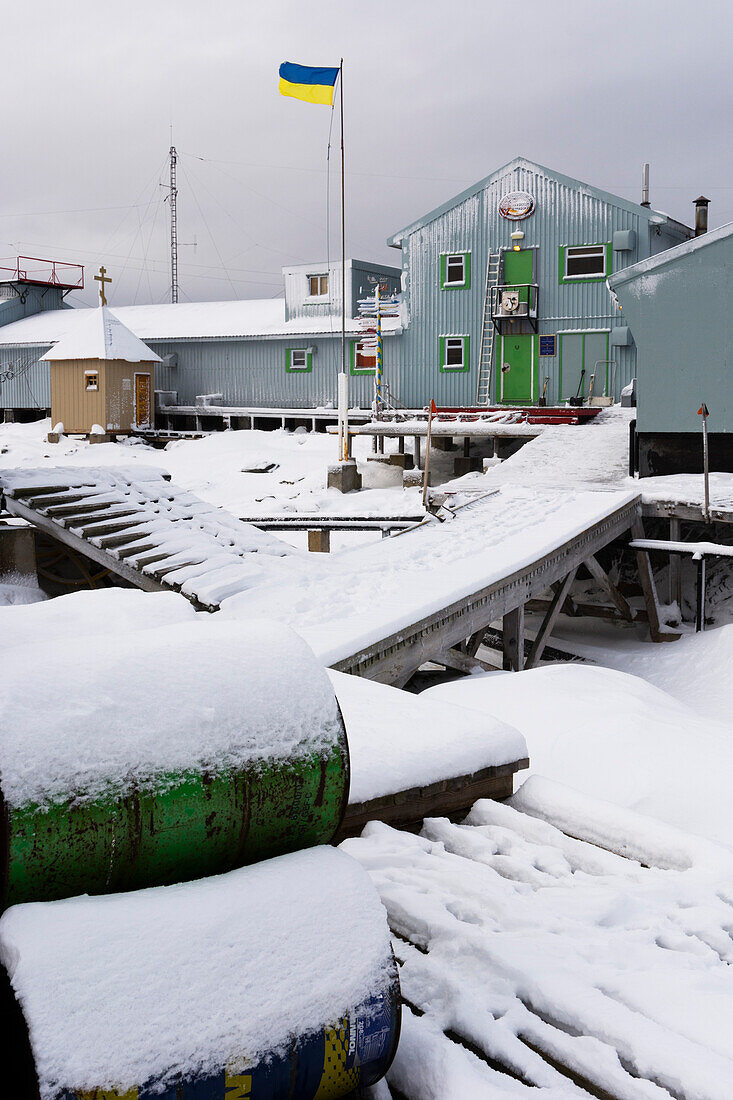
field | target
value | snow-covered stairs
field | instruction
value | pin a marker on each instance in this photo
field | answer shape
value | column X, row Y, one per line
column 152, row 533
column 534, row 963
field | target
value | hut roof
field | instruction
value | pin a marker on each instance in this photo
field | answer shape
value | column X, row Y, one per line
column 98, row 334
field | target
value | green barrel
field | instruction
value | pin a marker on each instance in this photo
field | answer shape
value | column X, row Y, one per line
column 177, row 824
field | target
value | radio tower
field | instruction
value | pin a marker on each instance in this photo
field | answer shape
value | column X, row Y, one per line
column 173, row 194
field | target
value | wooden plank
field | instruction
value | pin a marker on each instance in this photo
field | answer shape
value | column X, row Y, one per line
column 599, row 574
column 20, row 509
column 463, row 662
column 649, row 589
column 446, row 798
column 548, row 623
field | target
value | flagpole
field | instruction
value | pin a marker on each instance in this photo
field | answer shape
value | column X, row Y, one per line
column 346, row 442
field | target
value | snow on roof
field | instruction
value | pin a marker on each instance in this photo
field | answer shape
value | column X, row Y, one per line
column 98, row 334
column 185, row 981
column 185, row 321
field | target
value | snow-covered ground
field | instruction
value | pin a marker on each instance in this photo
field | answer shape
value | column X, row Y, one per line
column 587, row 924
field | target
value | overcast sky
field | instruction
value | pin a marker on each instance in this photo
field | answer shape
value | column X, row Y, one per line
column 437, row 95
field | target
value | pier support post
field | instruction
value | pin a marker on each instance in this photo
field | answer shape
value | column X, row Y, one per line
column 675, row 567
column 513, row 645
column 319, row 541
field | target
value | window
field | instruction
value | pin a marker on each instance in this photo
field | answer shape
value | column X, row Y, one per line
column 91, row 380
column 453, row 353
column 363, row 360
column 298, row 360
column 588, row 261
column 455, row 271
column 317, row 286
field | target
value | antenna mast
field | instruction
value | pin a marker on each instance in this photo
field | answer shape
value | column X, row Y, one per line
column 173, row 192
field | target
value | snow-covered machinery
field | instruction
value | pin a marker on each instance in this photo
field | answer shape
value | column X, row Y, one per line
column 268, row 983
column 164, row 755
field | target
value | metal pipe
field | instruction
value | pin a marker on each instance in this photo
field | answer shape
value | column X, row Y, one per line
column 645, row 185
column 701, row 215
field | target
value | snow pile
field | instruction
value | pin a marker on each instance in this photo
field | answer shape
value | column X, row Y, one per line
column 110, row 713
column 398, row 740
column 524, row 950
column 696, row 670
column 186, row 980
column 614, row 736
column 104, row 611
column 381, row 589
column 19, row 589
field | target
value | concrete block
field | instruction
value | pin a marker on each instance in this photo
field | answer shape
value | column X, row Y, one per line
column 17, row 551
column 404, row 460
column 53, row 437
column 443, row 443
column 344, row 476
column 9, row 416
column 100, row 438
column 319, row 541
column 467, row 465
column 412, row 479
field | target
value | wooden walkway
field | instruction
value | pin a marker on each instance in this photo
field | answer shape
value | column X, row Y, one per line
column 543, row 951
column 453, row 635
column 146, row 530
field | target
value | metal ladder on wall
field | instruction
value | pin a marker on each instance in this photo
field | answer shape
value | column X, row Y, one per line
column 493, row 274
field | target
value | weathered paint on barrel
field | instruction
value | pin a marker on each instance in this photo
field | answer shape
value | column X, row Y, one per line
column 186, row 827
column 354, row 1053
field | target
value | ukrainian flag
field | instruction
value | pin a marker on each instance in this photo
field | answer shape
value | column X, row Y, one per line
column 308, row 83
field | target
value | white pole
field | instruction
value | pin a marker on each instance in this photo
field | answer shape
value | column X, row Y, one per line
column 343, row 411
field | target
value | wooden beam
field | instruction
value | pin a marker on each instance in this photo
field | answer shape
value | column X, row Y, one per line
column 548, row 623
column 599, row 574
column 648, row 587
column 675, row 566
column 453, row 658
column 570, row 607
column 513, row 645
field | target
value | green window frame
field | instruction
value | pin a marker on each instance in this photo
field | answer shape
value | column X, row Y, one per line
column 444, row 348
column 290, row 368
column 445, row 265
column 562, row 260
column 353, row 368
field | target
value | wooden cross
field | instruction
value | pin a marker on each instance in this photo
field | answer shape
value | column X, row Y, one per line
column 102, row 279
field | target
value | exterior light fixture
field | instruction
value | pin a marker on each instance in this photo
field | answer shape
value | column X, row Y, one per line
column 517, row 238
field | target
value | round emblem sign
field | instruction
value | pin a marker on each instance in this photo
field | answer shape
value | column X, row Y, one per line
column 516, row 205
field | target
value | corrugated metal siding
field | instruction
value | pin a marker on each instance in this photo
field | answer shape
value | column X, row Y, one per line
column 563, row 215
column 252, row 372
column 31, row 387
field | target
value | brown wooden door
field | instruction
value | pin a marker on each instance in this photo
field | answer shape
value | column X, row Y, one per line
column 143, row 401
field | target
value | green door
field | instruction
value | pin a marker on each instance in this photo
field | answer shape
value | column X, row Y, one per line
column 518, row 269
column 515, row 369
column 580, row 351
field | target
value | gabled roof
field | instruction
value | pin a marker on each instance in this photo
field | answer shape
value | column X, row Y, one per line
column 670, row 255
column 521, row 162
column 248, row 320
column 98, row 334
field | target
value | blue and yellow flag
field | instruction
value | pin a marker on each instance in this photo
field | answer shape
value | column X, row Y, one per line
column 308, row 83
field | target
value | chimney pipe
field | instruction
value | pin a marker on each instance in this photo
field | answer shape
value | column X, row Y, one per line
column 645, row 185
column 701, row 215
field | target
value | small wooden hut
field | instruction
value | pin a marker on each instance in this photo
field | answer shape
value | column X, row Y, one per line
column 102, row 376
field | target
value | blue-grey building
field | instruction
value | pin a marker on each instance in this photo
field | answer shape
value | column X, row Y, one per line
column 678, row 305
column 504, row 300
